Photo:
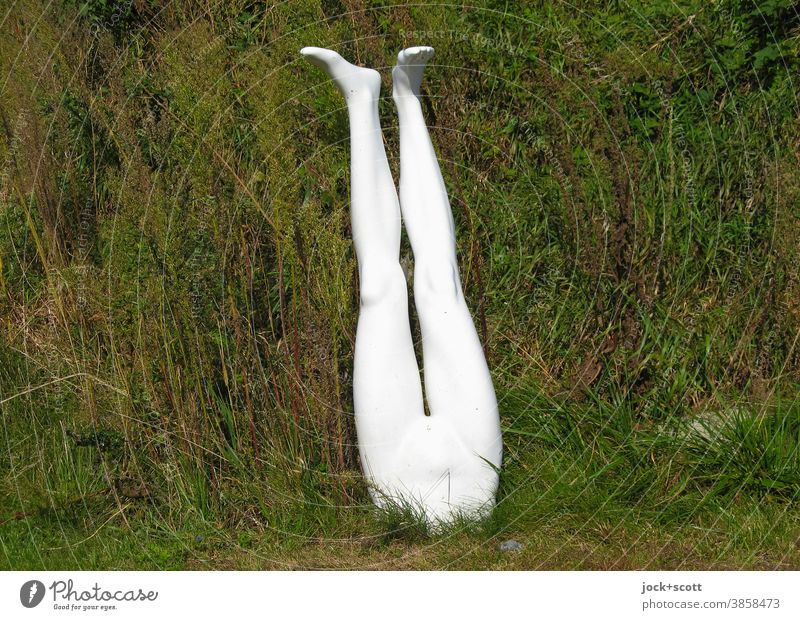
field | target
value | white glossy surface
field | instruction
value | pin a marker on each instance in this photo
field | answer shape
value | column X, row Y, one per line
column 444, row 464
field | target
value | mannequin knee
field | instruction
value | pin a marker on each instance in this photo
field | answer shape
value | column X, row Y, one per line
column 437, row 280
column 381, row 284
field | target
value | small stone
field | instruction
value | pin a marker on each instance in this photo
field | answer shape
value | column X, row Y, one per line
column 511, row 545
column 198, row 538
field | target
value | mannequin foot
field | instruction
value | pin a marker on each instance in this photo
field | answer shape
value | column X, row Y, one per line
column 407, row 75
column 351, row 80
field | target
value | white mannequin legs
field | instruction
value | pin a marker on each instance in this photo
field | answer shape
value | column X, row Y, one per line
column 444, row 464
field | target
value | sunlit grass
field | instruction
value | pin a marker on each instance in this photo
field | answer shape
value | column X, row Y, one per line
column 178, row 290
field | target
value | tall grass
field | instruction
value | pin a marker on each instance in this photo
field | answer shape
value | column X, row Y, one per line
column 179, row 291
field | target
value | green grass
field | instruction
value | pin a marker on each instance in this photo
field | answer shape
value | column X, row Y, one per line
column 178, row 288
